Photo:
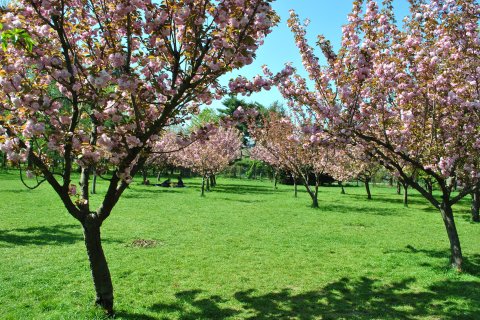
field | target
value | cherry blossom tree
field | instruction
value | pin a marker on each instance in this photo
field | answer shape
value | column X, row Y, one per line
column 409, row 94
column 125, row 70
column 296, row 148
column 212, row 155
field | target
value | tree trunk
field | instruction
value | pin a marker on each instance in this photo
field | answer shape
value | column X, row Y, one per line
column 475, row 206
column 314, row 202
column 295, row 187
column 94, row 182
column 311, row 194
column 399, row 189
column 98, row 265
column 275, row 180
column 208, row 184
column 429, row 186
column 405, row 194
column 367, row 187
column 456, row 258
column 390, row 181
column 144, row 175
column 203, row 186
column 213, row 182
column 341, row 186
column 4, row 161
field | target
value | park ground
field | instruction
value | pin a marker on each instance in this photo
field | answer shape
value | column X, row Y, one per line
column 245, row 251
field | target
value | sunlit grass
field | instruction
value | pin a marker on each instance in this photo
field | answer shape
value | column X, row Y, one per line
column 243, row 251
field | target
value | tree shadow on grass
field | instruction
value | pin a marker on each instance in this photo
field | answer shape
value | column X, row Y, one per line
column 244, row 189
column 148, row 192
column 362, row 298
column 242, row 200
column 413, row 199
column 471, row 263
column 59, row 234
column 190, row 305
column 370, row 210
column 133, row 316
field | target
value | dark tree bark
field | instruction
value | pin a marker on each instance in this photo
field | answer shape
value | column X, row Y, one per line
column 429, row 185
column 295, row 186
column 275, row 174
column 158, row 176
column 456, row 251
column 367, row 188
column 475, row 206
column 208, row 184
column 405, row 194
column 203, row 186
column 4, row 161
column 399, row 189
column 144, row 175
column 341, row 186
column 94, row 182
column 213, row 180
column 315, row 202
column 390, row 181
column 313, row 194
column 98, row 264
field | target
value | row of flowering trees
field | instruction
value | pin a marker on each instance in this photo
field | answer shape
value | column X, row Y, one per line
column 296, row 145
column 98, row 83
column 408, row 95
column 206, row 155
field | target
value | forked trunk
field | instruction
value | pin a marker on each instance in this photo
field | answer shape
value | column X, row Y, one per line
column 456, row 251
column 475, row 205
column 367, row 187
column 405, row 195
column 98, row 265
column 312, row 195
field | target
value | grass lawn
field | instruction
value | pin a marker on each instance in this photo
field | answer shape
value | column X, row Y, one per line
column 243, row 252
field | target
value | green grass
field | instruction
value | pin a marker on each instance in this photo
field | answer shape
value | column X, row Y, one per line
column 243, row 252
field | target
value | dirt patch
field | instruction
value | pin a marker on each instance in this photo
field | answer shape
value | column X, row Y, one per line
column 143, row 243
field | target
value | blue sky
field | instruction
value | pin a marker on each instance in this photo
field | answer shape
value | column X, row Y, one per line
column 327, row 18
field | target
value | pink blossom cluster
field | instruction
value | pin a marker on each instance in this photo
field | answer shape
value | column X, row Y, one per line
column 206, row 151
column 410, row 93
column 102, row 82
